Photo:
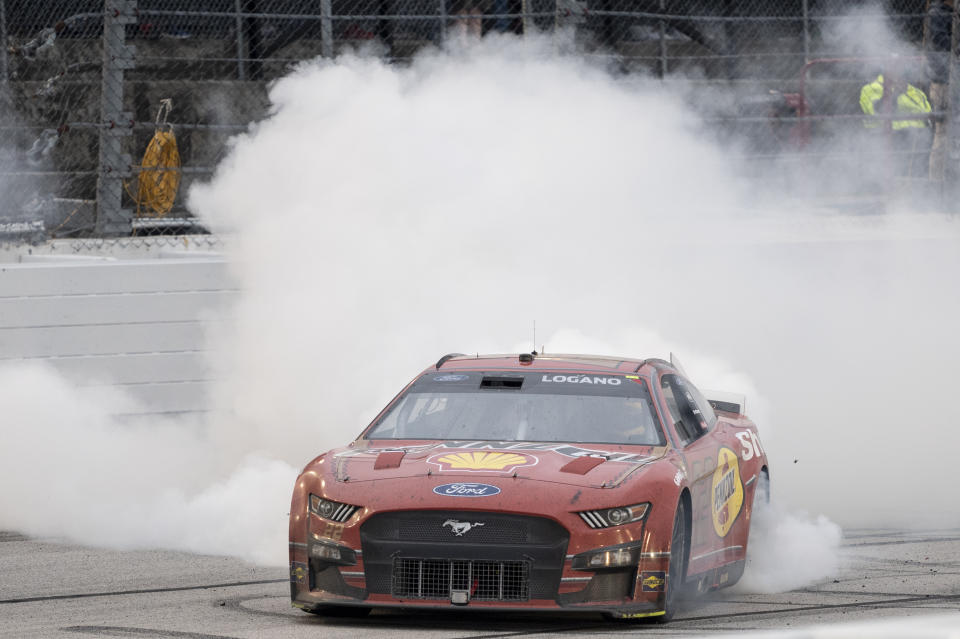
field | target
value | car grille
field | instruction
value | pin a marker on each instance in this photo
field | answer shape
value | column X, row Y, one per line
column 432, row 554
column 439, row 578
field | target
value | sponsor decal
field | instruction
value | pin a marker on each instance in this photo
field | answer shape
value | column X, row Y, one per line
column 567, row 450
column 581, row 379
column 450, row 378
column 751, row 444
column 333, row 531
column 653, row 580
column 298, row 572
column 460, row 528
column 726, row 492
column 375, row 452
column 478, row 460
column 466, row 490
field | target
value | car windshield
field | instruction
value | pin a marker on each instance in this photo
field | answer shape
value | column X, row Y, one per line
column 514, row 406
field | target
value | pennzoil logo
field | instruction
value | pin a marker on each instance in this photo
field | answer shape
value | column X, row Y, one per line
column 726, row 492
column 482, row 461
column 653, row 580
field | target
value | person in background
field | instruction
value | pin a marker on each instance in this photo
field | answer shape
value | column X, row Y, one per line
column 937, row 42
column 467, row 17
column 890, row 94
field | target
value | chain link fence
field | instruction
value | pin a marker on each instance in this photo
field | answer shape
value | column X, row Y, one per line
column 110, row 109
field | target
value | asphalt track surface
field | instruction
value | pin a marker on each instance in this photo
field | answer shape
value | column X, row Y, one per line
column 50, row 589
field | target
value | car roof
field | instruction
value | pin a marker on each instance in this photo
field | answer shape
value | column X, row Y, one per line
column 553, row 362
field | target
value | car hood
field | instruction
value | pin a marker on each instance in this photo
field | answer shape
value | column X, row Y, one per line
column 582, row 465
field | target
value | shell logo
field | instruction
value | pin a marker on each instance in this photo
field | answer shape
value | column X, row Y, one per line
column 482, row 461
column 726, row 492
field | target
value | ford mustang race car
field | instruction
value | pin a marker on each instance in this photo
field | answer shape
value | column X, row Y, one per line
column 561, row 482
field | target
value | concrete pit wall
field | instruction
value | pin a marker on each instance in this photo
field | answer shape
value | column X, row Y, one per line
column 140, row 324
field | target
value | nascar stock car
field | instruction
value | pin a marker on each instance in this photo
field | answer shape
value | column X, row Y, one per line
column 561, row 482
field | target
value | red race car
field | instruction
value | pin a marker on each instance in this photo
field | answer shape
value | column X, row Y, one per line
column 533, row 482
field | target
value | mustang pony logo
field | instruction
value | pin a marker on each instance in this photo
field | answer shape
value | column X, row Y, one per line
column 726, row 492
column 460, row 528
column 482, row 460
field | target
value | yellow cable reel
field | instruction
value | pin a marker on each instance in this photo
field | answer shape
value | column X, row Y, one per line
column 159, row 176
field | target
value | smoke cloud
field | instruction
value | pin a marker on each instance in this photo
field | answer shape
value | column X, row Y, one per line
column 383, row 216
column 789, row 550
column 73, row 470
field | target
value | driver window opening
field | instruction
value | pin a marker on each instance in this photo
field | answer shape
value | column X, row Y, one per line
column 684, row 412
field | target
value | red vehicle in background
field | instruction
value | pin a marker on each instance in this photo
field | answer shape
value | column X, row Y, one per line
column 531, row 482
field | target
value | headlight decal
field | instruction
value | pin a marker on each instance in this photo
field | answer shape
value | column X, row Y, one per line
column 332, row 510
column 607, row 517
column 594, row 518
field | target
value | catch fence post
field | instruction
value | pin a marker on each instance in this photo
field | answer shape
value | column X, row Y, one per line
column 951, row 168
column 115, row 124
column 3, row 43
column 662, row 28
column 241, row 42
column 442, row 12
column 806, row 31
column 326, row 28
column 529, row 24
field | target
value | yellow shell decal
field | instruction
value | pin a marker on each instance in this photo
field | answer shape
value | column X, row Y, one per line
column 482, row 460
column 726, row 492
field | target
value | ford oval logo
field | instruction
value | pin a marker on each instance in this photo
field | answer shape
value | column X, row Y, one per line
column 467, row 490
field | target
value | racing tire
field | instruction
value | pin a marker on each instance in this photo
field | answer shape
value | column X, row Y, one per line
column 677, row 570
column 342, row 612
column 761, row 499
column 762, row 492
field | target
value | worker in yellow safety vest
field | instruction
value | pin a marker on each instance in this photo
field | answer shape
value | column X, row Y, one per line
column 909, row 100
column 910, row 144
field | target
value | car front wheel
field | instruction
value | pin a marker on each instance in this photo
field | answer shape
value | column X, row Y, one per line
column 679, row 546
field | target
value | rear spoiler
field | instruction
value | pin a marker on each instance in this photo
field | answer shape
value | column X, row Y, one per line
column 727, row 402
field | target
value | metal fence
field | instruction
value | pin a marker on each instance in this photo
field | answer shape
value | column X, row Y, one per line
column 109, row 109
